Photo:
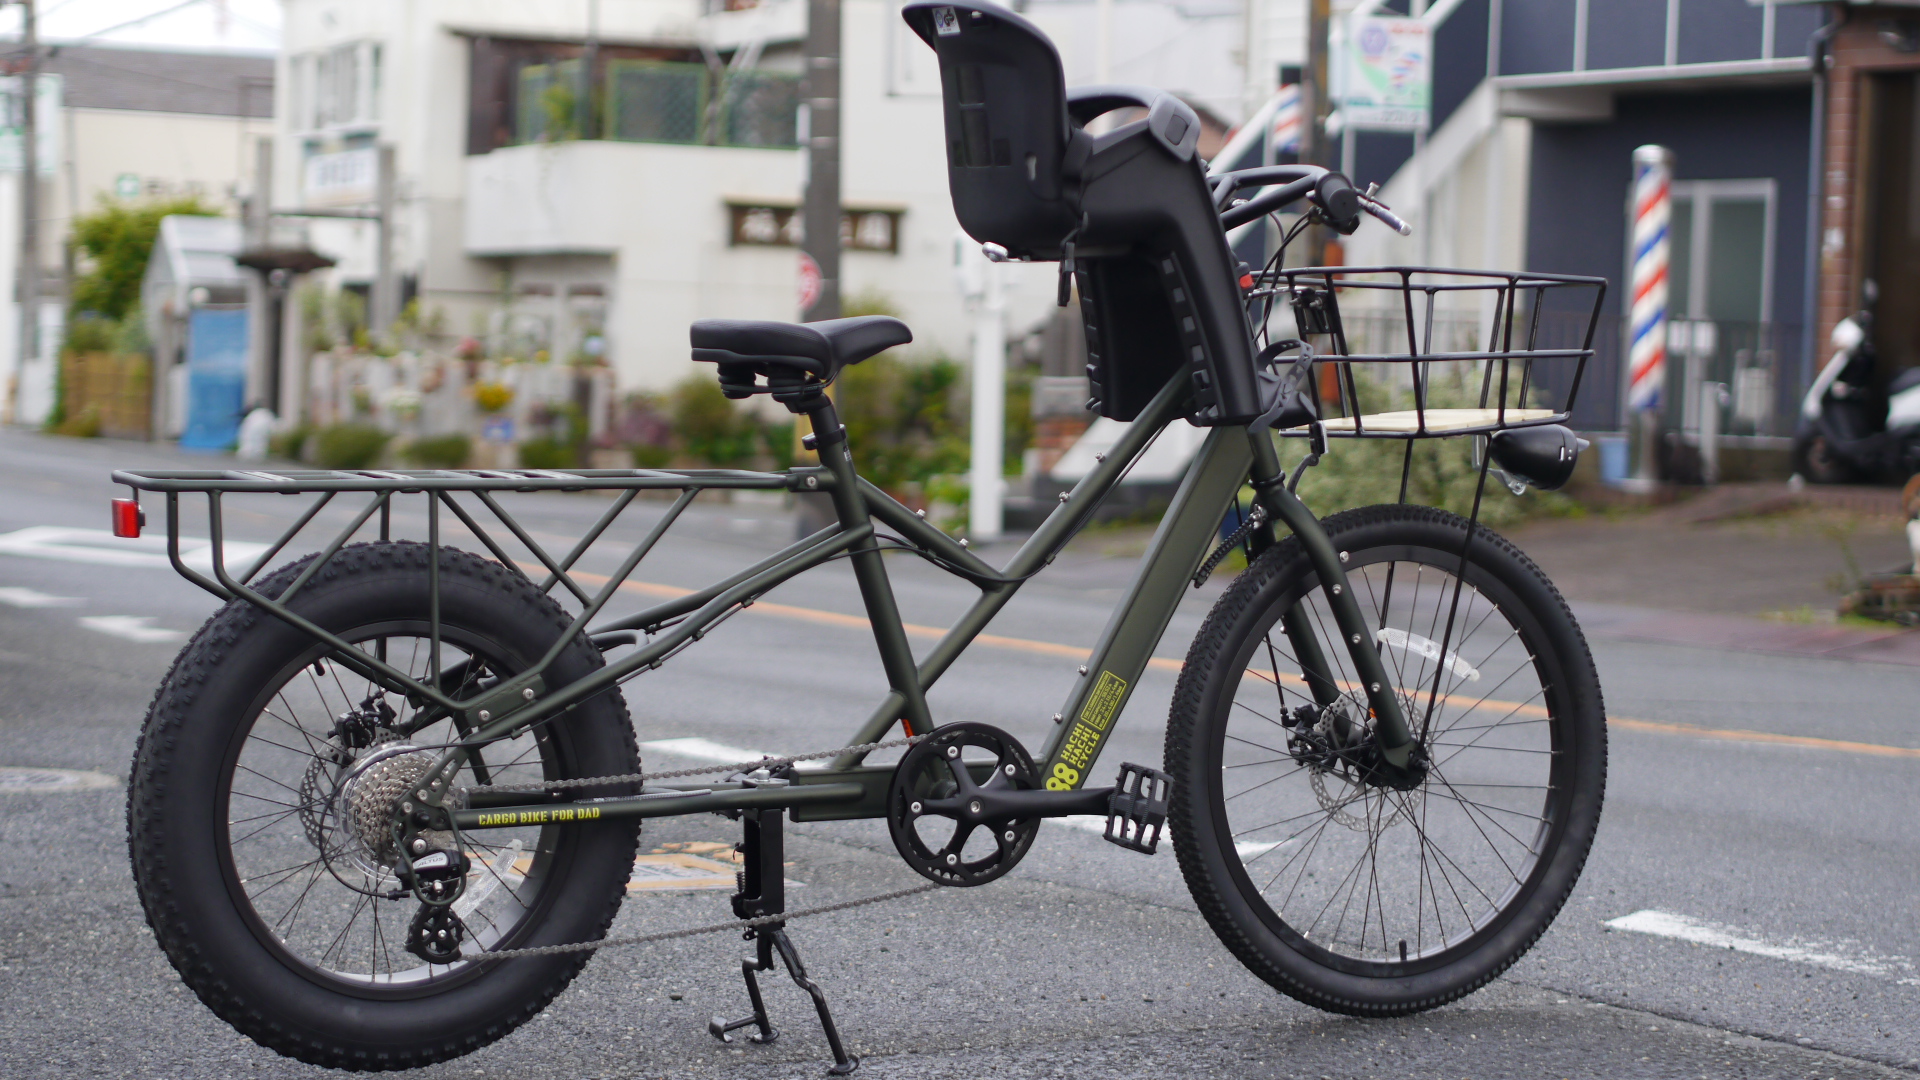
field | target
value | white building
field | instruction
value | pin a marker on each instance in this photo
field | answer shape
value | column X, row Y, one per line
column 674, row 211
column 120, row 123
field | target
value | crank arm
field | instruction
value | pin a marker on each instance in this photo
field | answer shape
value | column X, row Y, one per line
column 1013, row 804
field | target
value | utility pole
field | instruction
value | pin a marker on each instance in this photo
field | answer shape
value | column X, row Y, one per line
column 821, row 211
column 28, row 273
column 263, row 381
column 1315, row 104
column 589, row 58
column 386, row 284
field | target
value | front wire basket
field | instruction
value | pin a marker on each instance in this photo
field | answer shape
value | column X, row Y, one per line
column 1415, row 334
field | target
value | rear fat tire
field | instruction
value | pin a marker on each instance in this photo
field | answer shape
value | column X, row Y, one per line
column 177, row 817
column 1204, row 842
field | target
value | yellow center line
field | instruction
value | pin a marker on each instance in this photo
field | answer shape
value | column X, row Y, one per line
column 1158, row 663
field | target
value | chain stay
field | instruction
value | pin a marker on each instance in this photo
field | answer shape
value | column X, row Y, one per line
column 738, row 766
column 715, row 928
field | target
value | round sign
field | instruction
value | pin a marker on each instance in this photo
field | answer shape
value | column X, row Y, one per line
column 807, row 282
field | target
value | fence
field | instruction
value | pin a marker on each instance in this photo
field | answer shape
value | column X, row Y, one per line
column 660, row 101
column 114, row 388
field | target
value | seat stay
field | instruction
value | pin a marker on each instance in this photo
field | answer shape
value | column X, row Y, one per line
column 870, row 571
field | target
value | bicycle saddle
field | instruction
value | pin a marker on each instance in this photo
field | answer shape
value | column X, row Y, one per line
column 793, row 357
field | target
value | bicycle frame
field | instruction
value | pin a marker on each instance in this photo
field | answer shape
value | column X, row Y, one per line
column 847, row 788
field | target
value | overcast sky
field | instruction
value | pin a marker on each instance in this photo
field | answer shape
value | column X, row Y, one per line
column 235, row 25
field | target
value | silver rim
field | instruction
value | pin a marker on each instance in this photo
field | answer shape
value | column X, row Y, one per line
column 1371, row 875
column 314, row 882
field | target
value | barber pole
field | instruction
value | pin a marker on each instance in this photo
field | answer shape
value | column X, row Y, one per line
column 1284, row 134
column 1652, row 201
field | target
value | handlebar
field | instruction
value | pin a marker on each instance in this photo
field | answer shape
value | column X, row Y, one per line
column 1332, row 192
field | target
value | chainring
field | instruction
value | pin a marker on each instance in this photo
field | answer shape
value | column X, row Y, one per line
column 930, row 787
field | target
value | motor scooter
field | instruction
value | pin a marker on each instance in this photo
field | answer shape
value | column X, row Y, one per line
column 1843, row 435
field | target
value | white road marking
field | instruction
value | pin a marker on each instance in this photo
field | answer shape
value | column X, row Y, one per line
column 1097, row 825
column 102, row 548
column 703, row 750
column 17, row 779
column 131, row 628
column 1836, row 956
column 17, row 596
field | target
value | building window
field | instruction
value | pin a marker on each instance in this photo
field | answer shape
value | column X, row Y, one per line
column 767, row 225
column 336, row 87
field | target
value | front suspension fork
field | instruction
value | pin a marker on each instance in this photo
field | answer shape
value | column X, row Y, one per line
column 1390, row 720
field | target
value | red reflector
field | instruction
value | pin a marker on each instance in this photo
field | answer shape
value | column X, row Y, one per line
column 127, row 518
column 1246, row 281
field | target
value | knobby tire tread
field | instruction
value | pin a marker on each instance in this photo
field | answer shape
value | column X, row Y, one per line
column 1212, row 649
column 171, row 708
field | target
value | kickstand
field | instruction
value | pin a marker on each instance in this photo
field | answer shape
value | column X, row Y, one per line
column 762, row 891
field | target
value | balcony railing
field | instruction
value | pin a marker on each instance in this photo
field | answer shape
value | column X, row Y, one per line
column 658, row 101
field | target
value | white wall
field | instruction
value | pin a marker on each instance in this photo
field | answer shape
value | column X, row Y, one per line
column 657, row 210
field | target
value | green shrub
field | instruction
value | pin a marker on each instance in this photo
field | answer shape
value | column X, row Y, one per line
column 708, row 426
column 440, row 451
column 778, row 439
column 650, row 457
column 84, row 426
column 548, row 454
column 117, row 238
column 348, row 446
column 89, row 333
column 903, row 418
column 287, row 444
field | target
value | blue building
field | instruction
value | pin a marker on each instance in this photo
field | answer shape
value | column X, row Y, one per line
column 1538, row 106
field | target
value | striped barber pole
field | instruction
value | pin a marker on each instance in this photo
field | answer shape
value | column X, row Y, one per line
column 1647, row 353
column 1284, row 135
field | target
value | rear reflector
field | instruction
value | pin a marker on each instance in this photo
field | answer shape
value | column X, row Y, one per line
column 127, row 518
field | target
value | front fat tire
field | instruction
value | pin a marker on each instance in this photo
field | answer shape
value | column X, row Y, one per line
column 175, row 818
column 1205, row 843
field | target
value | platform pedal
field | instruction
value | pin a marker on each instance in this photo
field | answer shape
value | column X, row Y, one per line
column 1137, row 809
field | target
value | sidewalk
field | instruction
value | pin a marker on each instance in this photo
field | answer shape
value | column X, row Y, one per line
column 1746, row 566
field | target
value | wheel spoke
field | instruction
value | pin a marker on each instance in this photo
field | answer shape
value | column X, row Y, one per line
column 1370, row 873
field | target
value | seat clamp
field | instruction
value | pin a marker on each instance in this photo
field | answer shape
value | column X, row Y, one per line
column 811, row 440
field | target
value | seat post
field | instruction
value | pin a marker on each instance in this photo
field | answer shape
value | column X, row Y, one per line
column 850, row 506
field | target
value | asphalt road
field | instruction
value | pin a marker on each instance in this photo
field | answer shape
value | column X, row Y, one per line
column 1780, row 877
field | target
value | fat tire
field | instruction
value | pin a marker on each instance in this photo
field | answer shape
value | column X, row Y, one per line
column 208, row 700
column 1192, row 758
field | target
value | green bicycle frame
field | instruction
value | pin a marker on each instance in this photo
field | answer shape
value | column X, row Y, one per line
column 846, row 788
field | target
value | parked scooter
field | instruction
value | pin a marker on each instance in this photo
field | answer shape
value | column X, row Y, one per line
column 1843, row 435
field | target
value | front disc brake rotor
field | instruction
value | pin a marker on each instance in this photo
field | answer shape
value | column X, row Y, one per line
column 937, row 827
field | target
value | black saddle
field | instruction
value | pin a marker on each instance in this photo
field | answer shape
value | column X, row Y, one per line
column 796, row 359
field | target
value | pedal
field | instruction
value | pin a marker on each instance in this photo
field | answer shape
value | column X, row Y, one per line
column 1137, row 809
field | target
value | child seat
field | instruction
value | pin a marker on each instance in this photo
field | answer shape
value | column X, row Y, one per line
column 1130, row 210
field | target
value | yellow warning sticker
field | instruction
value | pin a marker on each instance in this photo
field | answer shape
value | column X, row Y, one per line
column 1105, row 700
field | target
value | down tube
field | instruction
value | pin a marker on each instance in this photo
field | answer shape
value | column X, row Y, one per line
column 1185, row 535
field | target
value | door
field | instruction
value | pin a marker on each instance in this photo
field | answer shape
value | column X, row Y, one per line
column 1719, row 298
column 216, row 377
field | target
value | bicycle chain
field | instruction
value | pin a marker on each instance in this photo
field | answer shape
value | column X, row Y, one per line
column 738, row 766
column 715, row 928
column 669, row 935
